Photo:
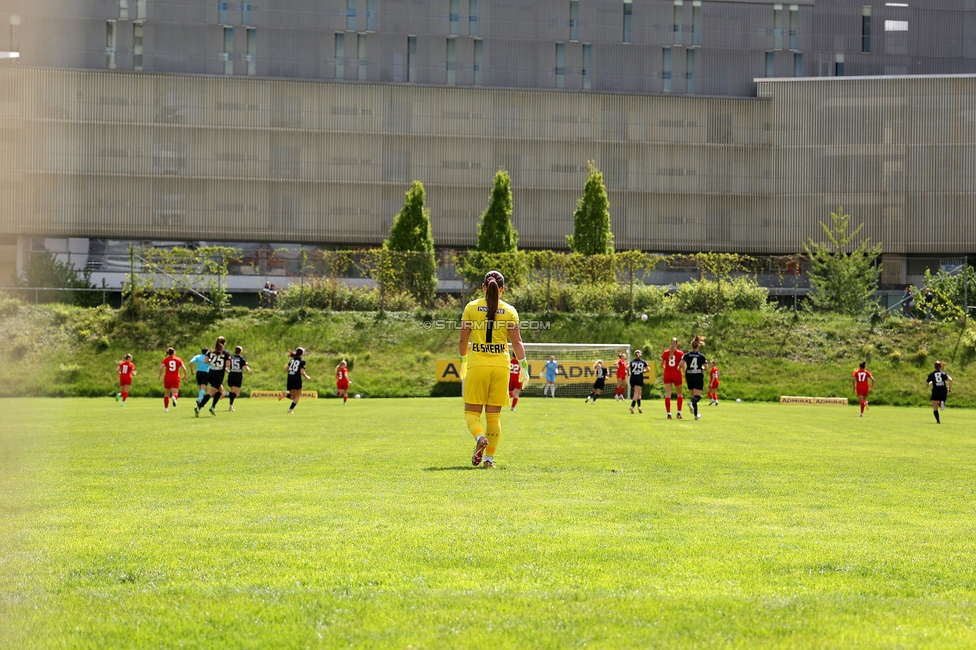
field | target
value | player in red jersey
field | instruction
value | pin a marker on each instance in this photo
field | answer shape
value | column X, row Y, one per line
column 621, row 390
column 342, row 380
column 671, row 363
column 514, row 385
column 713, row 384
column 863, row 382
column 171, row 366
column 127, row 370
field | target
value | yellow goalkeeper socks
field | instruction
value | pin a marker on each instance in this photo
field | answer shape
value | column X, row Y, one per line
column 493, row 431
column 474, row 423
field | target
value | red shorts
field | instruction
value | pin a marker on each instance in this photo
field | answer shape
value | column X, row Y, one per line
column 673, row 378
column 863, row 392
column 713, row 385
column 125, row 384
column 171, row 384
column 342, row 384
column 514, row 383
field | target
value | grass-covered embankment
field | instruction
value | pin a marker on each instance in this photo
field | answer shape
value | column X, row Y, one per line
column 58, row 350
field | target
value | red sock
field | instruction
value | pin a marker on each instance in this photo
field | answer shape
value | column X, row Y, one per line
column 514, row 401
column 165, row 402
column 125, row 395
column 862, row 405
column 344, row 398
column 667, row 404
column 176, row 394
column 680, row 401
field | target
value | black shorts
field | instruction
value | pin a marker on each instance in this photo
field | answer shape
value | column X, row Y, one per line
column 598, row 384
column 695, row 382
column 215, row 378
column 939, row 394
column 294, row 382
column 235, row 380
column 637, row 380
column 203, row 377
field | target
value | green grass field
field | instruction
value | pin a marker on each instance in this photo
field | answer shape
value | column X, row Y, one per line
column 364, row 525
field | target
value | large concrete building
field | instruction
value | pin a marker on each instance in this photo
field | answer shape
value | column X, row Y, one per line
column 136, row 120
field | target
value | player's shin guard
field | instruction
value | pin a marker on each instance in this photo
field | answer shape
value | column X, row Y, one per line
column 231, row 398
column 667, row 405
column 514, row 401
column 473, row 420
column 165, row 402
column 494, row 431
column 125, row 395
column 681, row 401
column 862, row 406
column 935, row 412
column 216, row 398
column 694, row 404
column 293, row 405
column 203, row 401
column 200, row 394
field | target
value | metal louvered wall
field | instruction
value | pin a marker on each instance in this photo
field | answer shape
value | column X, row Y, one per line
column 144, row 156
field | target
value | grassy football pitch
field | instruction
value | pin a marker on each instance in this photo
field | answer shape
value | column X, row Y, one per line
column 365, row 525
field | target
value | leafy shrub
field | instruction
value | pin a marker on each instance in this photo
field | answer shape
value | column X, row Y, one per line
column 702, row 296
column 332, row 295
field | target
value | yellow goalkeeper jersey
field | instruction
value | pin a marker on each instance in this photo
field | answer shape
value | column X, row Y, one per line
column 488, row 345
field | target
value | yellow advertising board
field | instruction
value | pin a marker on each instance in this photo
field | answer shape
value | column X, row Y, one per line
column 819, row 401
column 268, row 394
column 567, row 372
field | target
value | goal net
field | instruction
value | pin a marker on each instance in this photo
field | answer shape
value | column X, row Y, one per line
column 574, row 367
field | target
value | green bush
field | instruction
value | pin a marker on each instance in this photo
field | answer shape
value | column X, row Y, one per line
column 702, row 296
column 332, row 295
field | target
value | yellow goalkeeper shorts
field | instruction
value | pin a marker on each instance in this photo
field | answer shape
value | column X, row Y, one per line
column 486, row 385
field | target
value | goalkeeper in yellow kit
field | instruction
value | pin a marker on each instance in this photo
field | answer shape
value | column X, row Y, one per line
column 487, row 324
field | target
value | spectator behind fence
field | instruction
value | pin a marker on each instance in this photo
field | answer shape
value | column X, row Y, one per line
column 272, row 296
column 266, row 295
column 908, row 302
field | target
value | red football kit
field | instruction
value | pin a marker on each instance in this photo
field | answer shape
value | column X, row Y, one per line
column 713, row 373
column 171, row 376
column 514, row 374
column 126, row 368
column 861, row 377
column 342, row 379
column 621, row 369
column 672, row 366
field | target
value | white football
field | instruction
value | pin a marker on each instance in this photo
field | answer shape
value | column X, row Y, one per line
column 358, row 395
column 643, row 316
column 738, row 401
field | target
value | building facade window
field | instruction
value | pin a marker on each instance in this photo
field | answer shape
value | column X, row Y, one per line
column 574, row 20
column 794, row 27
column 246, row 13
column 473, row 17
column 798, row 64
column 838, row 65
column 451, row 61
column 677, row 25
column 371, row 15
column 770, row 64
column 454, row 16
column 137, row 46
column 866, row 29
column 123, row 9
column 140, row 9
column 777, row 27
column 351, row 15
column 628, row 20
column 479, row 61
column 690, row 56
column 111, row 39
column 340, row 55
column 587, row 65
column 411, row 59
column 560, row 65
column 228, row 50
column 666, row 70
column 361, row 56
column 222, row 12
column 252, row 51
column 696, row 20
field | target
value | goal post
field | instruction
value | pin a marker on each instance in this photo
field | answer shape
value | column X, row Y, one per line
column 574, row 367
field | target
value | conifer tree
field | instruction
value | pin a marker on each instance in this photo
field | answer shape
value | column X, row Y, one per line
column 413, row 265
column 591, row 221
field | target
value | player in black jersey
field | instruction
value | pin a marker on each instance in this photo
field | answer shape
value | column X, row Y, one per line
column 693, row 365
column 235, row 375
column 941, row 384
column 296, row 370
column 217, row 358
column 636, row 370
column 601, row 378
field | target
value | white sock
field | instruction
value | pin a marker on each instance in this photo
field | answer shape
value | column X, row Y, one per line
column 489, row 458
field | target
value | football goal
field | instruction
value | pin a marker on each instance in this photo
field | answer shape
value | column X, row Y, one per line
column 574, row 367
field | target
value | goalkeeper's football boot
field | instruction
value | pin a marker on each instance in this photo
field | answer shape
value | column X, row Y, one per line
column 479, row 450
column 489, row 464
